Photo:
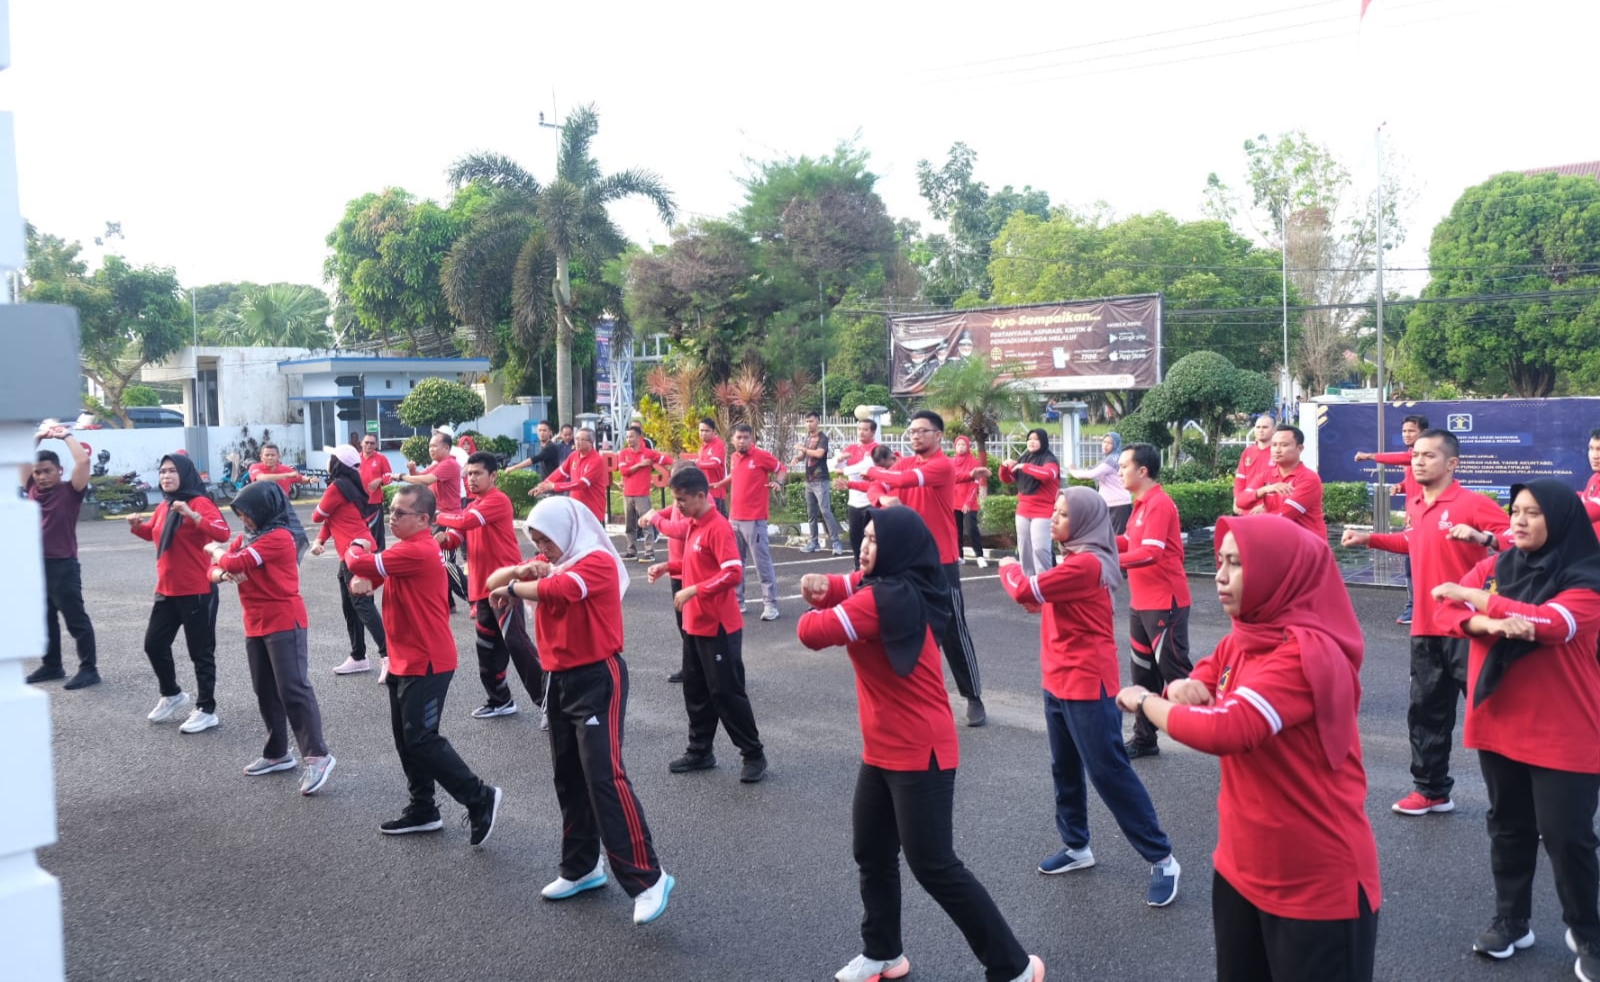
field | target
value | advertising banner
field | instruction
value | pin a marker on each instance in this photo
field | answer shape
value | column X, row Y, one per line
column 602, row 361
column 1503, row 441
column 1078, row 346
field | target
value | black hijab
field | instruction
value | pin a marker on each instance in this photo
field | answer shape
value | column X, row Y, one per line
column 1026, row 483
column 265, row 504
column 190, row 486
column 908, row 584
column 1568, row 560
column 348, row 480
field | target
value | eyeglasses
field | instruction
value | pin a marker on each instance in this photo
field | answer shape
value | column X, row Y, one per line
column 914, row 431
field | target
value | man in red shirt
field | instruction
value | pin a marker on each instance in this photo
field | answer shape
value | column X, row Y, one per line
column 713, row 680
column 712, row 460
column 271, row 467
column 488, row 528
column 59, row 504
column 853, row 463
column 1158, row 612
column 346, row 516
column 422, row 662
column 926, row 481
column 1256, row 461
column 637, row 463
column 584, row 474
column 1449, row 529
column 375, row 473
column 750, row 473
column 1591, row 491
column 1293, row 490
column 1410, row 429
column 443, row 478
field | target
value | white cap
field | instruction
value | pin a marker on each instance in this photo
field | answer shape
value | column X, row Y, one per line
column 347, row 455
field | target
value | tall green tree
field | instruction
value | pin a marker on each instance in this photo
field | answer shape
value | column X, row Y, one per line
column 1207, row 388
column 1514, row 234
column 955, row 265
column 553, row 227
column 281, row 315
column 975, row 396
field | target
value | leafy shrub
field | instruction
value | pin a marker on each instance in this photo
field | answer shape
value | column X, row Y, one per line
column 437, row 401
column 998, row 517
column 1200, row 503
column 1190, row 472
column 415, row 449
column 1346, row 503
column 516, row 485
column 1228, row 459
column 503, row 445
column 140, row 395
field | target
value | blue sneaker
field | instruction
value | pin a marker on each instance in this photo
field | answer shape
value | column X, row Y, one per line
column 809, row 547
column 1163, row 882
column 562, row 888
column 652, row 903
column 1067, row 860
column 1405, row 616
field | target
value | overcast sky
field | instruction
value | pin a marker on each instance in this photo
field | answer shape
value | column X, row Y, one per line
column 228, row 137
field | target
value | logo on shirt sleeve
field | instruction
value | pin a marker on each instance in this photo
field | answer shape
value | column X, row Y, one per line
column 1222, row 683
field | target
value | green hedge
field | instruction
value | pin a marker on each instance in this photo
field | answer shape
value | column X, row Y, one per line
column 1200, row 504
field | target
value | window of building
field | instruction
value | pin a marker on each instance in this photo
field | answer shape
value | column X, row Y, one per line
column 324, row 417
column 391, row 432
column 205, row 398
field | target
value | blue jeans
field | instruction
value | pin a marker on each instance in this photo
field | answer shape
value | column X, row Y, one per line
column 1086, row 734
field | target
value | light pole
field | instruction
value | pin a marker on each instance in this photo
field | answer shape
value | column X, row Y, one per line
column 1288, row 378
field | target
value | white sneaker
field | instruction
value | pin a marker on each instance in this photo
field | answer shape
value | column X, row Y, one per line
column 652, row 903
column 271, row 765
column 544, row 720
column 983, row 563
column 383, row 670
column 352, row 665
column 198, row 721
column 1034, row 972
column 316, row 773
column 561, row 888
column 167, row 706
column 864, row 969
column 769, row 612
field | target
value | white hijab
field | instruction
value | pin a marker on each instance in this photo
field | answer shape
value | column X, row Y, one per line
column 573, row 528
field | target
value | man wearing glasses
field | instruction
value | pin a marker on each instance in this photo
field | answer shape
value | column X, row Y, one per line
column 926, row 484
column 374, row 475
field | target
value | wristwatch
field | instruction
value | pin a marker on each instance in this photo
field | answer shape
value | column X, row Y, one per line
column 1143, row 698
column 511, row 587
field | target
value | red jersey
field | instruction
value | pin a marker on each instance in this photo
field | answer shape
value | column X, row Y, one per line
column 1152, row 553
column 854, row 462
column 673, row 526
column 713, row 462
column 1302, row 505
column 1435, row 557
column 270, row 591
column 285, row 475
column 1077, row 639
column 447, row 484
column 926, row 485
column 578, row 619
column 1255, row 463
column 966, row 495
column 588, row 478
column 184, row 570
column 1546, row 709
column 489, row 528
column 1401, row 459
column 375, row 468
column 340, row 520
column 1591, row 500
column 1041, row 502
column 904, row 721
column 636, row 483
column 751, row 472
column 1301, row 855
column 416, row 611
column 711, row 562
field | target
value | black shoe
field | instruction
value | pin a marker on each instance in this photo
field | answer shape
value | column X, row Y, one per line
column 46, row 673
column 1136, row 749
column 693, row 762
column 754, row 769
column 676, row 677
column 481, row 818
column 410, row 821
column 85, row 678
column 1503, row 938
column 976, row 714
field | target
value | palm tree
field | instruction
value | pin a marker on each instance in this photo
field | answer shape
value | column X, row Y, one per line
column 528, row 237
column 976, row 396
column 280, row 315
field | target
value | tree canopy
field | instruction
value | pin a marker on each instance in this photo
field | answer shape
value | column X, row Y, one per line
column 1207, row 388
column 437, row 402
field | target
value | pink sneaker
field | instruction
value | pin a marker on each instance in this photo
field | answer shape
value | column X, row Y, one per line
column 1417, row 803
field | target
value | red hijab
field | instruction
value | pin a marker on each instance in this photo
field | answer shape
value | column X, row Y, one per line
column 1292, row 586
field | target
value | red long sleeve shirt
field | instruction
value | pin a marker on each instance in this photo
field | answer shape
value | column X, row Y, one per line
column 1591, row 500
column 1254, row 464
column 710, row 562
column 416, row 611
column 1401, row 459
column 1546, row 709
column 270, row 591
column 489, row 528
column 1077, row 639
column 373, row 468
column 904, row 721
column 447, row 483
column 751, row 471
column 1041, row 502
column 966, row 493
column 1302, row 854
column 636, row 483
column 1302, row 505
column 340, row 520
column 184, row 570
column 673, row 526
column 712, row 459
column 1435, row 557
column 578, row 619
column 588, row 479
column 926, row 485
column 285, row 475
column 1152, row 553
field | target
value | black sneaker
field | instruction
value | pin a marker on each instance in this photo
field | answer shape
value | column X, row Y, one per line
column 83, row 679
column 693, row 762
column 410, row 821
column 46, row 673
column 1503, row 938
column 1587, row 967
column 481, row 818
column 1136, row 749
column 676, row 677
column 754, row 769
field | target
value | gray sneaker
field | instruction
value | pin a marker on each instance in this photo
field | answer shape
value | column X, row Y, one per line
column 167, row 706
column 271, row 765
column 316, row 773
column 769, row 612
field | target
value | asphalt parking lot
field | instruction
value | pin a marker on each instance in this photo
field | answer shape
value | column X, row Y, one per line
column 176, row 866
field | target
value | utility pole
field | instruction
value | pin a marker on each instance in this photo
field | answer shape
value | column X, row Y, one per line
column 1380, row 504
column 1288, row 377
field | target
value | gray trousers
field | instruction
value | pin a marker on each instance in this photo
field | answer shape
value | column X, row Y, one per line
column 282, row 679
column 633, row 507
column 752, row 536
column 1035, row 548
column 819, row 509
